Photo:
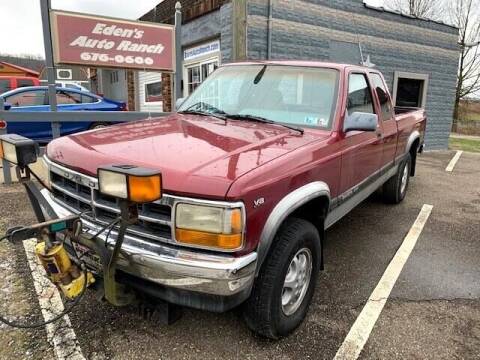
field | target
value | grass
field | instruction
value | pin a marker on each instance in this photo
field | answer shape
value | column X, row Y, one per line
column 469, row 111
column 470, row 116
column 471, row 145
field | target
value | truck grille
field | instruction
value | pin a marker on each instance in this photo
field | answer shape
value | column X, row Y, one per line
column 79, row 193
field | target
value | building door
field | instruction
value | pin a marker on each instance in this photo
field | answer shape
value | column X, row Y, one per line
column 198, row 63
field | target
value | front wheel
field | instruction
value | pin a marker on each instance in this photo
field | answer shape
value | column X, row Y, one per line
column 395, row 189
column 284, row 288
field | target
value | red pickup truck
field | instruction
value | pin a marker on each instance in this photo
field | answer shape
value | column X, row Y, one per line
column 8, row 83
column 256, row 164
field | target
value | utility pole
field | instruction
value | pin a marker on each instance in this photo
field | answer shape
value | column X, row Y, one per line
column 178, row 54
column 47, row 39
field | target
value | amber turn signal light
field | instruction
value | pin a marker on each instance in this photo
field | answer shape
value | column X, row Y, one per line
column 132, row 183
column 205, row 239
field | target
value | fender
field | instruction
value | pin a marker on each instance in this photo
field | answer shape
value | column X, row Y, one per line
column 285, row 207
column 413, row 136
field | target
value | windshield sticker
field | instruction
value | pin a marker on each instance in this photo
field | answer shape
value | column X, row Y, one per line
column 323, row 122
column 311, row 120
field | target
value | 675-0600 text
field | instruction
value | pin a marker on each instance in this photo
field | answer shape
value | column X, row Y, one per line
column 119, row 59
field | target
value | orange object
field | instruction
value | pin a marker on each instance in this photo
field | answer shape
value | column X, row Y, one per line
column 200, row 238
column 144, row 189
column 236, row 221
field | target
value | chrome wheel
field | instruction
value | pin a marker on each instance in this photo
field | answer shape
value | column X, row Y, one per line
column 296, row 281
column 404, row 181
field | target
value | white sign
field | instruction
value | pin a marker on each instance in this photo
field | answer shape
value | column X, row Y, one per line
column 201, row 50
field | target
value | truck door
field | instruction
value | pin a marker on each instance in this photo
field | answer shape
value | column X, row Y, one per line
column 386, row 117
column 363, row 150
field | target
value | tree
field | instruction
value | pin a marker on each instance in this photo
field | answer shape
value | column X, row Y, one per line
column 466, row 16
column 426, row 9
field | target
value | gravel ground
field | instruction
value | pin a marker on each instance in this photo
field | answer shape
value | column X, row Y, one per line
column 433, row 311
column 18, row 297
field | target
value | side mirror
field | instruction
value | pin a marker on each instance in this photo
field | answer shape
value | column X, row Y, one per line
column 179, row 103
column 7, row 106
column 359, row 121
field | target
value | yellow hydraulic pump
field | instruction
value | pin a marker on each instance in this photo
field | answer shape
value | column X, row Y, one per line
column 61, row 271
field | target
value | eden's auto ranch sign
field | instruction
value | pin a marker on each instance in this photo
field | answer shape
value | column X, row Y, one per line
column 96, row 41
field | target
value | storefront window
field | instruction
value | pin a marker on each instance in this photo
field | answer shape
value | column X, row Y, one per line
column 153, row 92
column 199, row 72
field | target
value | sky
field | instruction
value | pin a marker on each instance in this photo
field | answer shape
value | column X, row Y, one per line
column 21, row 26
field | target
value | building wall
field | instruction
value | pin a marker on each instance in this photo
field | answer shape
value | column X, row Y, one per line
column 164, row 12
column 113, row 86
column 215, row 24
column 310, row 29
column 7, row 70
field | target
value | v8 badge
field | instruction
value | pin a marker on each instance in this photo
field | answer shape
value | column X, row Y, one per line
column 258, row 202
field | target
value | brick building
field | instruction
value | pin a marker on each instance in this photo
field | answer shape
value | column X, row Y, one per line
column 419, row 58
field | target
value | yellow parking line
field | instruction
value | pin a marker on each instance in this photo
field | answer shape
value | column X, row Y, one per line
column 362, row 327
column 454, row 160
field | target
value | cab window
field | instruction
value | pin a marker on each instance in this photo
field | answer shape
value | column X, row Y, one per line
column 359, row 95
column 383, row 97
column 27, row 98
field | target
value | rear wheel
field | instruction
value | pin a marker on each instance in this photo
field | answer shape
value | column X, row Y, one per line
column 395, row 189
column 284, row 288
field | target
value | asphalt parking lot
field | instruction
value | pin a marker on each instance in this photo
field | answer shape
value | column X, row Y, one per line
column 433, row 311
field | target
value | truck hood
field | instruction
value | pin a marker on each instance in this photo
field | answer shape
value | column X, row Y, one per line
column 197, row 155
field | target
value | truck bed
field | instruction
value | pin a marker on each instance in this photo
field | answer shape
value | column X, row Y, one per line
column 409, row 119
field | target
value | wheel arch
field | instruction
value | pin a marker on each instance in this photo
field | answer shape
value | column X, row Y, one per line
column 413, row 144
column 415, row 135
column 300, row 202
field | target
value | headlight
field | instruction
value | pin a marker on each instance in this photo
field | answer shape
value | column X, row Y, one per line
column 130, row 183
column 18, row 150
column 209, row 226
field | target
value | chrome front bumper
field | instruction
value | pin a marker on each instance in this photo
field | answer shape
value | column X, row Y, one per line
column 194, row 271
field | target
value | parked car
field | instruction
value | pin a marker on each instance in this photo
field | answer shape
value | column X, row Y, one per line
column 33, row 99
column 8, row 83
column 256, row 164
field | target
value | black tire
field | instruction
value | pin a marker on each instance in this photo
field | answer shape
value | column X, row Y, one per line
column 263, row 311
column 393, row 192
column 98, row 126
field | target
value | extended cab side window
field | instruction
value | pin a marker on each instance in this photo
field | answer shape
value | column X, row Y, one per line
column 383, row 97
column 359, row 95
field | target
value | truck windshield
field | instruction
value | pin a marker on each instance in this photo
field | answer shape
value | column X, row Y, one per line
column 300, row 96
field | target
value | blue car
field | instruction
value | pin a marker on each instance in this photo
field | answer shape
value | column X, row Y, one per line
column 35, row 98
